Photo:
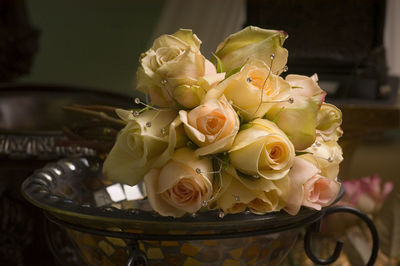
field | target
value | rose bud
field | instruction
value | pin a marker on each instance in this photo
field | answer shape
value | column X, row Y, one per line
column 301, row 111
column 253, row 42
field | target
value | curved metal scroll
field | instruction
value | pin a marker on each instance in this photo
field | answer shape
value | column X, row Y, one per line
column 136, row 256
column 315, row 228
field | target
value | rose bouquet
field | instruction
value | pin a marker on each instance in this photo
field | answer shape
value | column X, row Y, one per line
column 231, row 135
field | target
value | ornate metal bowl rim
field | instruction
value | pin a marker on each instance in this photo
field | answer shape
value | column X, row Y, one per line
column 37, row 189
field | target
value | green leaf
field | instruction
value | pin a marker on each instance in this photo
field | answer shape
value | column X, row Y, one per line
column 220, row 67
column 298, row 153
column 246, row 176
column 244, row 126
column 216, row 166
column 233, row 71
column 241, row 118
column 220, row 158
column 191, row 145
column 225, row 159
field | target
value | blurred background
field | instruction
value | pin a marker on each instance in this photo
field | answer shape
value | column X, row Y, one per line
column 60, row 52
column 97, row 43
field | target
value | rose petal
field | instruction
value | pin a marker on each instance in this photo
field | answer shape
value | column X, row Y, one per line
column 253, row 90
column 248, row 150
column 188, row 157
column 210, row 68
column 320, row 192
column 212, row 126
column 300, row 172
column 158, row 204
column 259, row 195
column 178, row 187
column 232, row 188
column 209, row 81
column 253, row 42
column 192, row 132
column 246, row 159
column 139, row 148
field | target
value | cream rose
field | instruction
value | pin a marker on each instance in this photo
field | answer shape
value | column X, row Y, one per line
column 260, row 196
column 327, row 155
column 138, row 147
column 329, row 119
column 212, row 126
column 181, row 185
column 253, row 90
column 170, row 71
column 262, row 150
column 253, row 42
column 306, row 98
column 309, row 188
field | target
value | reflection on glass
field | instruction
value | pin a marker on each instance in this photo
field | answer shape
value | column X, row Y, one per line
column 101, row 198
column 116, row 192
column 133, row 192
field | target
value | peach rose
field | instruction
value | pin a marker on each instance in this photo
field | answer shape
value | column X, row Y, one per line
column 212, row 126
column 262, row 150
column 181, row 185
column 253, row 90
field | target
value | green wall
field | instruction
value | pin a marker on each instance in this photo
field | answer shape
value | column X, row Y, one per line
column 91, row 43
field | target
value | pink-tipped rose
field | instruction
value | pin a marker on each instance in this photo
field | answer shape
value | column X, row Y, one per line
column 366, row 194
column 319, row 192
column 309, row 188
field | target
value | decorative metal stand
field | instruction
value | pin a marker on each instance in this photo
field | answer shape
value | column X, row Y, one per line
column 315, row 228
column 138, row 257
column 68, row 192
